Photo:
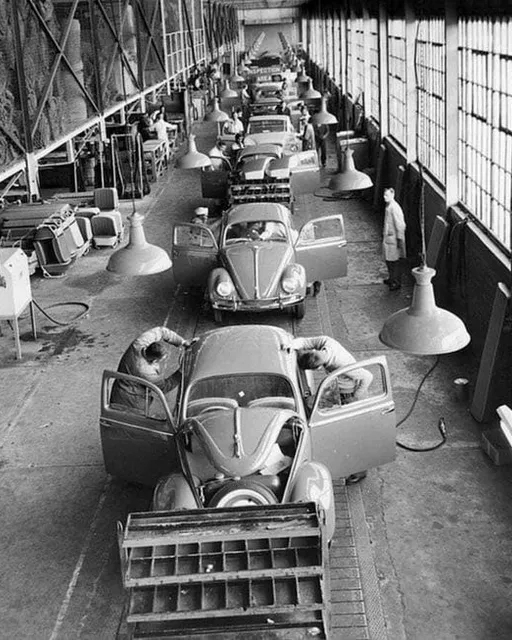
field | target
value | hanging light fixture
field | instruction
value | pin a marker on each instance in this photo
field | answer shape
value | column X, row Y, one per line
column 216, row 114
column 138, row 257
column 323, row 117
column 423, row 329
column 227, row 92
column 310, row 93
column 349, row 179
column 302, row 76
column 193, row 159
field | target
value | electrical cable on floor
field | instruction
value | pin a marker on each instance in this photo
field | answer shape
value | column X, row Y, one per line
column 441, row 425
column 64, row 304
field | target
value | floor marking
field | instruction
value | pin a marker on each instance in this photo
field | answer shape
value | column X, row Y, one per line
column 78, row 567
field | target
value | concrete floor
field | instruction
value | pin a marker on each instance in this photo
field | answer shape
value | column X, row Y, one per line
column 438, row 524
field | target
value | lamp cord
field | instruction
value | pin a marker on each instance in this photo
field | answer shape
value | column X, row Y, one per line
column 441, row 425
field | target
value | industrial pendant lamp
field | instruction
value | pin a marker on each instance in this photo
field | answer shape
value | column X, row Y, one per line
column 138, row 257
column 350, row 179
column 193, row 159
column 302, row 76
column 323, row 117
column 236, row 78
column 227, row 92
column 216, row 114
column 423, row 329
column 310, row 93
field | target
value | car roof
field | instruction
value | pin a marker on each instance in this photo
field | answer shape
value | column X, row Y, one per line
column 258, row 211
column 270, row 116
column 240, row 349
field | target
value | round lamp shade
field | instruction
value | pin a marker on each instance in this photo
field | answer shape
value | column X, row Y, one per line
column 350, row 179
column 310, row 93
column 138, row 257
column 227, row 92
column 302, row 77
column 216, row 114
column 323, row 117
column 424, row 329
column 193, row 159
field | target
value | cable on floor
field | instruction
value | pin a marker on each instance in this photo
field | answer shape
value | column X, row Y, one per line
column 64, row 304
column 441, row 425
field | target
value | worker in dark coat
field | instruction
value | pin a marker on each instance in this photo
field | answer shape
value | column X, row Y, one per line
column 145, row 358
column 321, row 135
column 393, row 239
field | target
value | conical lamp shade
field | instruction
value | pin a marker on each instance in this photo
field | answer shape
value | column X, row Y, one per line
column 424, row 329
column 216, row 115
column 138, row 258
column 227, row 92
column 323, row 116
column 193, row 159
column 302, row 76
column 350, row 179
column 236, row 78
column 310, row 93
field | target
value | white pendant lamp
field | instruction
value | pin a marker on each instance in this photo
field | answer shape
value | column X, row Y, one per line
column 216, row 114
column 310, row 93
column 350, row 179
column 302, row 76
column 323, row 117
column 424, row 329
column 138, row 257
column 193, row 159
column 227, row 92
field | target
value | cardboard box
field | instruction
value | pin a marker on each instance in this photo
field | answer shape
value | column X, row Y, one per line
column 496, row 446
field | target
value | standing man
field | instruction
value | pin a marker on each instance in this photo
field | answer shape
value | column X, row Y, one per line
column 321, row 134
column 218, row 156
column 323, row 352
column 393, row 239
column 308, row 133
column 145, row 358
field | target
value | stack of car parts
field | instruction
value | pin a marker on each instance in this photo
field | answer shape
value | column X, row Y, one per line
column 227, row 572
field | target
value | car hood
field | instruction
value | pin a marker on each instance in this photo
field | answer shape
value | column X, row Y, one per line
column 238, row 442
column 254, row 169
column 256, row 267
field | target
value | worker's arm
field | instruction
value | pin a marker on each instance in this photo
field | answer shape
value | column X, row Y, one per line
column 156, row 335
column 363, row 379
column 315, row 342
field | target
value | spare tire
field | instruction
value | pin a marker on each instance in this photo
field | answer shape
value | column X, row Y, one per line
column 242, row 493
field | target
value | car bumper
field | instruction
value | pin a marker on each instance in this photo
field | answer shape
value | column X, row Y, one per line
column 267, row 304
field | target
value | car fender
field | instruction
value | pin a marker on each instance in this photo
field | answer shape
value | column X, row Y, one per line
column 291, row 270
column 173, row 493
column 215, row 276
column 313, row 483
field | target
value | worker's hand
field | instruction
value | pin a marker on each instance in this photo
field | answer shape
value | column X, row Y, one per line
column 188, row 343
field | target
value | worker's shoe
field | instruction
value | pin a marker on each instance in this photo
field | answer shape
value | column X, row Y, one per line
column 356, row 477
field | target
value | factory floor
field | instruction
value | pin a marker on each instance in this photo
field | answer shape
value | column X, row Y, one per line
column 432, row 532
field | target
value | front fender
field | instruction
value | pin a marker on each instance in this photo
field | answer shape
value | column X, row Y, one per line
column 173, row 493
column 218, row 274
column 313, row 483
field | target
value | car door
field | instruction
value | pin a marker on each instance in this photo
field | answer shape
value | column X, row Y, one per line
column 304, row 172
column 194, row 254
column 138, row 445
column 350, row 435
column 321, row 248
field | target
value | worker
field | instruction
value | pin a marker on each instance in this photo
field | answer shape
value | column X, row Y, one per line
column 237, row 145
column 162, row 127
column 321, row 134
column 235, row 125
column 145, row 358
column 325, row 352
column 218, row 156
column 393, row 239
column 308, row 133
column 283, row 109
column 201, row 216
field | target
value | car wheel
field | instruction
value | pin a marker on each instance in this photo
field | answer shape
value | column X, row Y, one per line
column 300, row 310
column 217, row 316
column 242, row 493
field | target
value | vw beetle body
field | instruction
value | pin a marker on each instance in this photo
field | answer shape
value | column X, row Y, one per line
column 260, row 271
column 248, row 427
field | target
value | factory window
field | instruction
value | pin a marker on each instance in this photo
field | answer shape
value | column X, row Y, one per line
column 485, row 122
column 336, row 70
column 430, row 72
column 359, row 58
column 374, row 102
column 350, row 57
column 397, row 65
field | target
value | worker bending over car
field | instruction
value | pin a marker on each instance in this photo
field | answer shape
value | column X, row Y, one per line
column 145, row 358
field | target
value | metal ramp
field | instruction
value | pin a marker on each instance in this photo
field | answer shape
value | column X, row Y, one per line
column 256, row 572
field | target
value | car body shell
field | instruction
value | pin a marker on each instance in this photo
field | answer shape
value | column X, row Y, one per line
column 241, row 392
column 274, row 129
column 255, row 270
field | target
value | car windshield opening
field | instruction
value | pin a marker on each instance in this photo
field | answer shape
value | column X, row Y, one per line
column 266, row 126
